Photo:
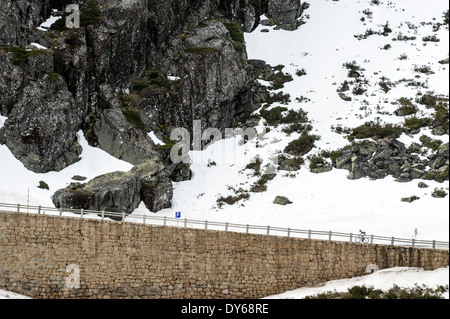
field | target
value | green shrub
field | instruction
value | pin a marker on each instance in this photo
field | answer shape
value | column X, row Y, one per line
column 406, row 107
column 358, row 292
column 431, row 38
column 134, row 119
column 359, row 90
column 316, row 161
column 429, row 100
column 235, row 31
column 238, row 46
column 354, row 70
column 279, row 97
column 439, row 193
column 53, row 76
column 301, row 72
column 301, row 146
column 21, row 55
column 231, row 200
column 43, row 185
column 441, row 116
column 439, row 176
column 275, row 116
column 332, row 155
column 375, row 131
column 385, row 84
column 90, row 14
column 297, row 128
column 425, row 69
column 414, row 123
column 279, row 79
column 168, row 143
column 255, row 165
column 161, row 82
column 363, row 292
column 430, row 143
column 140, row 85
column 60, row 24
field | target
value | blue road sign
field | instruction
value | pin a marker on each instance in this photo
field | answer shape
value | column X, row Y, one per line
column 178, row 215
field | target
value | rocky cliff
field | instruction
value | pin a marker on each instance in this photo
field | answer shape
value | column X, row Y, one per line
column 132, row 67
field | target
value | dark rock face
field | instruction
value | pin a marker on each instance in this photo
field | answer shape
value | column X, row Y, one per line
column 41, row 127
column 17, row 17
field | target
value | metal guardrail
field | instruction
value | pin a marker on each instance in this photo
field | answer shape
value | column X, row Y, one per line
column 221, row 226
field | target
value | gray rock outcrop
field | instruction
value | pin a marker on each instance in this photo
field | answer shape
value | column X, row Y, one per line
column 117, row 192
column 391, row 157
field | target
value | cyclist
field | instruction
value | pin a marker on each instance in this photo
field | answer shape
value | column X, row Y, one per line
column 362, row 234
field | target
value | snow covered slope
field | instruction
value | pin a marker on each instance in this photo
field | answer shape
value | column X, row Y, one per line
column 383, row 280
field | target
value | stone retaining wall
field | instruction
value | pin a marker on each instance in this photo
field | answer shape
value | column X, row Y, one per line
column 52, row 257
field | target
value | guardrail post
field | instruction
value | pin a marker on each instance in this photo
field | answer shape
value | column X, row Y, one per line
column 371, row 239
column 103, row 214
column 165, row 220
column 289, row 232
column 143, row 219
column 309, row 234
column 60, row 212
column 39, row 210
column 268, row 230
column 413, row 242
column 185, row 223
column 434, row 244
column 392, row 241
column 351, row 237
column 18, row 208
column 226, row 226
column 82, row 213
column 206, row 224
column 247, row 228
column 329, row 235
column 123, row 216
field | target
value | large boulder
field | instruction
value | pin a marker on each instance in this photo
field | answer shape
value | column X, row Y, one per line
column 285, row 13
column 115, row 192
column 121, row 192
column 282, row 200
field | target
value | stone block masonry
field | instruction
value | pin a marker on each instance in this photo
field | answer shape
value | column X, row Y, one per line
column 45, row 256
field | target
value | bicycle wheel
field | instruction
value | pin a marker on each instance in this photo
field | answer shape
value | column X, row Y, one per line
column 358, row 239
column 366, row 240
